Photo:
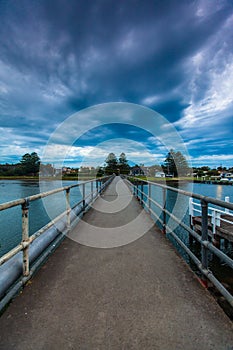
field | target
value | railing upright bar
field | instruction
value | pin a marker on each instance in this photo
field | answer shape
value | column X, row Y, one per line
column 83, row 196
column 164, row 212
column 96, row 184
column 25, row 236
column 204, row 237
column 102, row 185
column 68, row 208
column 92, row 191
column 142, row 193
column 149, row 196
column 191, row 215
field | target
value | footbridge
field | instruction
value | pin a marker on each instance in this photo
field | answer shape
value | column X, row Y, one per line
column 114, row 280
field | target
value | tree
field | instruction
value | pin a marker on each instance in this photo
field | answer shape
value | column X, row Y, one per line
column 30, row 163
column 175, row 164
column 112, row 164
column 123, row 164
column 99, row 171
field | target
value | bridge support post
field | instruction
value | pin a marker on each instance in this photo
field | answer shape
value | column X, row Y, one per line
column 204, row 237
column 25, row 236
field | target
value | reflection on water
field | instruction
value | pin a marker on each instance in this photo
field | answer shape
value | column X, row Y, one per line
column 219, row 191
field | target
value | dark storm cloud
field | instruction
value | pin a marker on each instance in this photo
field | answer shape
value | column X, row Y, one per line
column 101, row 44
column 58, row 57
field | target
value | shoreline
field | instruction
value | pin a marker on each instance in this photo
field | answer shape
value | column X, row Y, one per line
column 156, row 180
column 37, row 178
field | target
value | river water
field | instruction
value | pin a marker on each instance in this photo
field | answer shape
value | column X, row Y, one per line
column 10, row 219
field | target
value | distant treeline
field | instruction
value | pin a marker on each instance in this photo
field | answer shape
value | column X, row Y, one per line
column 175, row 164
column 29, row 165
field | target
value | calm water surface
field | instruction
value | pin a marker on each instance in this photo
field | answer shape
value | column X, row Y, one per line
column 10, row 219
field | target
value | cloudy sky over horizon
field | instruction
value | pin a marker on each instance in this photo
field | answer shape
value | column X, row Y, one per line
column 175, row 57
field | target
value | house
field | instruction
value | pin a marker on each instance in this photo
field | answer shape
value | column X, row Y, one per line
column 145, row 170
column 229, row 176
column 215, row 177
column 136, row 171
column 159, row 174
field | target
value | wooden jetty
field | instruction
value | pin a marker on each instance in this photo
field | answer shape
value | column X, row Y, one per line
column 224, row 231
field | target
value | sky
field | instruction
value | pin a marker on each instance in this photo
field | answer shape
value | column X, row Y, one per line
column 173, row 57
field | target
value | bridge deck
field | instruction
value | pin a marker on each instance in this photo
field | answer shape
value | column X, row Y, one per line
column 135, row 296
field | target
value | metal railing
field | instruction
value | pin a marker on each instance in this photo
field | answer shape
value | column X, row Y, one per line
column 137, row 188
column 83, row 204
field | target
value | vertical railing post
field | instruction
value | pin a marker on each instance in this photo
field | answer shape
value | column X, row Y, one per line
column 68, row 209
column 191, row 211
column 149, row 195
column 191, row 216
column 204, row 237
column 101, row 185
column 164, row 213
column 25, row 236
column 96, row 186
column 134, row 190
column 137, row 190
column 142, row 193
column 83, row 196
column 92, row 191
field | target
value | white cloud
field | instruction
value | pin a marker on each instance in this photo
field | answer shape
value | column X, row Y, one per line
column 207, row 8
column 96, row 155
column 150, row 100
column 211, row 101
column 213, row 160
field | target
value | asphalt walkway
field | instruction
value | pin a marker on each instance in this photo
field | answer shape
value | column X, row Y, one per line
column 139, row 295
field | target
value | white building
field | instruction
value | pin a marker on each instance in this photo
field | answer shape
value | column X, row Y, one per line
column 159, row 174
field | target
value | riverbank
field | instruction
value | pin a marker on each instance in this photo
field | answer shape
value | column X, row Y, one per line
column 171, row 180
column 34, row 178
column 165, row 180
column 49, row 178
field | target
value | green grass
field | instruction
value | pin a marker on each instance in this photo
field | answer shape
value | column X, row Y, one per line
column 165, row 179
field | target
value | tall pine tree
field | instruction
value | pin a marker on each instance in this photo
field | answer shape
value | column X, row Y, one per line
column 175, row 164
column 112, row 164
column 123, row 164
